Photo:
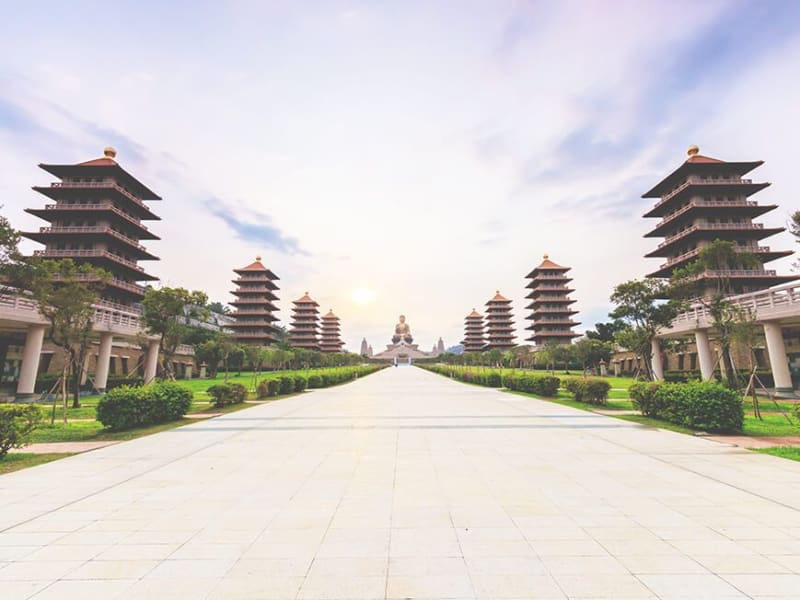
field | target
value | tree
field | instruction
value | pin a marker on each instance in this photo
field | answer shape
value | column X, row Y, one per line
column 589, row 352
column 718, row 259
column 209, row 353
column 66, row 294
column 794, row 229
column 219, row 308
column 641, row 305
column 164, row 314
column 605, row 332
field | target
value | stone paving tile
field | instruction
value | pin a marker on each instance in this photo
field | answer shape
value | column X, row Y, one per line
column 404, row 485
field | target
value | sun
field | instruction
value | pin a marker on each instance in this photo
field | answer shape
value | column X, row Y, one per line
column 363, row 296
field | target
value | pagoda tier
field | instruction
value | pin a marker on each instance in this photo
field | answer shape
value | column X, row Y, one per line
column 304, row 332
column 706, row 199
column 474, row 340
column 551, row 316
column 330, row 334
column 499, row 324
column 97, row 219
column 254, row 315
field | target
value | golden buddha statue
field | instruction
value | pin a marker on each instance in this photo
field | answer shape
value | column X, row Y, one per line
column 402, row 332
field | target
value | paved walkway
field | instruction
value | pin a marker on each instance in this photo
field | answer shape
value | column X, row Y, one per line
column 404, row 484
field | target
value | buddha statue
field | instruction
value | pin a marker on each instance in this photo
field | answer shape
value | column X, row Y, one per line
column 402, row 332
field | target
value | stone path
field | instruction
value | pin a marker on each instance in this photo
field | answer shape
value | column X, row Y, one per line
column 404, row 484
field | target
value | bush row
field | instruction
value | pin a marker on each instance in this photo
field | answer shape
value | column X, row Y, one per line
column 520, row 381
column 17, row 422
column 126, row 407
column 702, row 405
column 587, row 389
column 289, row 384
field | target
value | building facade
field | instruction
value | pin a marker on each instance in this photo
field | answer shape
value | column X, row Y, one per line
column 551, row 306
column 254, row 316
column 474, row 338
column 707, row 199
column 330, row 339
column 304, row 331
column 97, row 219
column 499, row 324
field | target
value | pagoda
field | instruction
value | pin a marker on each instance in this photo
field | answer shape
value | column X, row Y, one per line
column 304, row 332
column 706, row 199
column 473, row 332
column 330, row 334
column 97, row 219
column 255, row 309
column 499, row 326
column 552, row 312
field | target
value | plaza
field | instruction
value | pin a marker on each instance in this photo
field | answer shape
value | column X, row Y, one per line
column 405, row 484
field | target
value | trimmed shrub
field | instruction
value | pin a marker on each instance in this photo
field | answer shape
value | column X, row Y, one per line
column 285, row 385
column 541, row 385
column 17, row 422
column 126, row 407
column 225, row 394
column 262, row 389
column 705, row 405
column 300, row 383
column 493, row 379
column 587, row 389
column 314, row 381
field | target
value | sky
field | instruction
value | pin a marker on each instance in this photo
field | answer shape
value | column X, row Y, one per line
column 401, row 157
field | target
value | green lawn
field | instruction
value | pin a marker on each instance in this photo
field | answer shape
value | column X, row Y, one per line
column 16, row 461
column 781, row 451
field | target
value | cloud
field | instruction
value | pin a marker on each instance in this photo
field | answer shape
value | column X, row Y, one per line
column 256, row 229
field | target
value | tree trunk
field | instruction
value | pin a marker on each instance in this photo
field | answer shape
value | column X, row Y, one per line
column 64, row 375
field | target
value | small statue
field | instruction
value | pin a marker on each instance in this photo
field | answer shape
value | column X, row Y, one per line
column 402, row 332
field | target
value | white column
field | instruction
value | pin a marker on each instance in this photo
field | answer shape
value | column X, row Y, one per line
column 188, row 374
column 30, row 361
column 704, row 355
column 103, row 361
column 151, row 362
column 658, row 365
column 777, row 357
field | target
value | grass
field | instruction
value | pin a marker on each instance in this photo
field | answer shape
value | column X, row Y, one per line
column 16, row 461
column 781, row 451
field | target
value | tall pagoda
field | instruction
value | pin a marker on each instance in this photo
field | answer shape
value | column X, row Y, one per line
column 473, row 332
column 97, row 219
column 330, row 339
column 304, row 332
column 255, row 309
column 706, row 199
column 551, row 305
column 499, row 326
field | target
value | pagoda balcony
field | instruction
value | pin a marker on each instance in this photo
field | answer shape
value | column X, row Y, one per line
column 48, row 214
column 734, row 273
column 256, row 313
column 134, row 288
column 252, row 290
column 102, row 185
column 694, row 180
column 722, row 227
column 259, row 323
column 692, row 253
column 243, row 283
column 94, row 230
column 702, row 203
column 266, row 335
column 264, row 301
column 94, row 254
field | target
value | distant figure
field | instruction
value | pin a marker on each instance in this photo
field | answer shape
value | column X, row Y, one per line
column 402, row 332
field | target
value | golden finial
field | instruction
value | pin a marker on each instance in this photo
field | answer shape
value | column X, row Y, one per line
column 109, row 152
column 692, row 150
column 546, row 256
column 258, row 259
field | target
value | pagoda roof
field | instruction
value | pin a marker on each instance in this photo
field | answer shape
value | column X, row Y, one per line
column 546, row 264
column 306, row 299
column 498, row 297
column 697, row 163
column 330, row 315
column 257, row 266
column 474, row 315
column 104, row 166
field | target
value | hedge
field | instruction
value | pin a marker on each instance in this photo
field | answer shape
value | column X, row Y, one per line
column 126, row 407
column 17, row 422
column 540, row 385
column 704, row 405
column 278, row 384
column 587, row 389
column 225, row 394
column 522, row 381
